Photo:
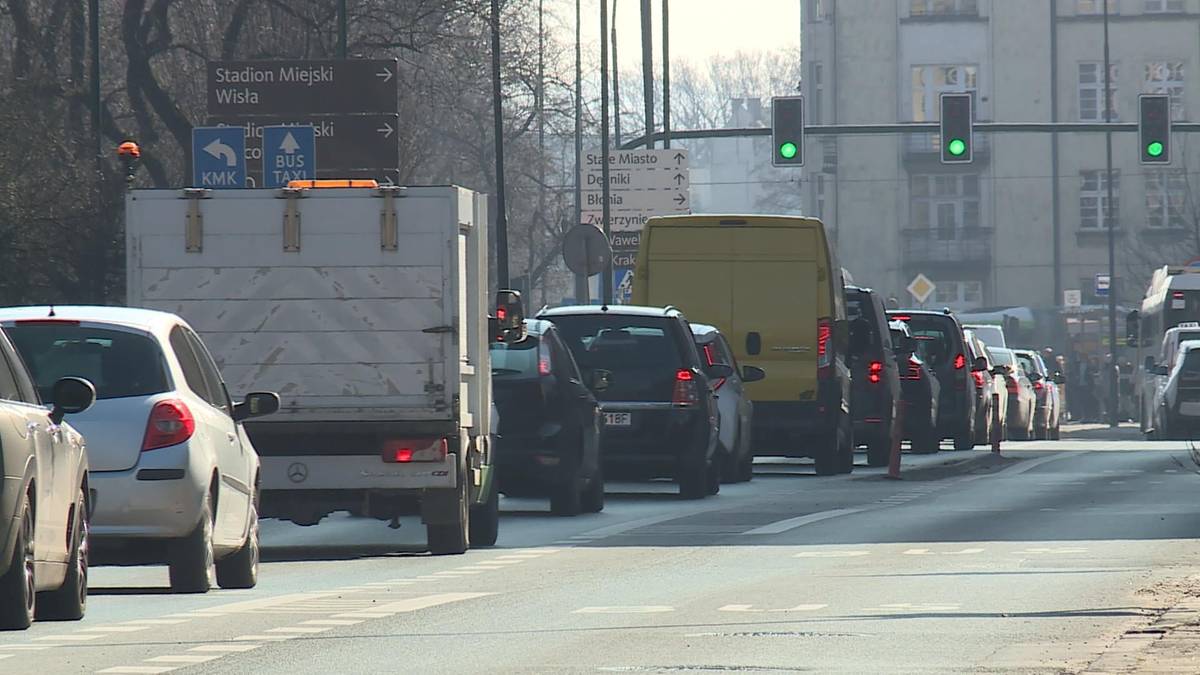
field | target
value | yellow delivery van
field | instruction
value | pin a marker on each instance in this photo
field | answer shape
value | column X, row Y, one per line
column 772, row 284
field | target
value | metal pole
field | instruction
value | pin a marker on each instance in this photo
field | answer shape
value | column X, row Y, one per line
column 541, row 108
column 648, row 67
column 582, row 292
column 1112, row 246
column 342, row 25
column 1055, row 221
column 94, row 18
column 498, row 114
column 606, row 288
column 666, row 76
column 616, row 79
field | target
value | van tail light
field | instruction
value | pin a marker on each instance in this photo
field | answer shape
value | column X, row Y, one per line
column 1011, row 383
column 685, row 393
column 414, row 450
column 875, row 372
column 824, row 349
column 170, row 423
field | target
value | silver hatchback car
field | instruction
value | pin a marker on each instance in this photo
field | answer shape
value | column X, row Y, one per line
column 173, row 475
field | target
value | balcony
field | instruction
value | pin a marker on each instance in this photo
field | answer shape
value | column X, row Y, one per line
column 964, row 247
column 921, row 148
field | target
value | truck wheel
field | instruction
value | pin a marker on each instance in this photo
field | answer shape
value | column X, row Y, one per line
column 69, row 602
column 693, row 477
column 190, row 559
column 453, row 537
column 17, row 590
column 592, row 500
column 240, row 570
column 485, row 519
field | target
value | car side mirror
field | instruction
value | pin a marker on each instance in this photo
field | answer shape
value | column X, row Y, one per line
column 601, row 380
column 72, row 395
column 753, row 374
column 1059, row 378
column 1162, row 370
column 1000, row 371
column 257, row 404
column 720, row 370
column 1035, row 377
column 980, row 365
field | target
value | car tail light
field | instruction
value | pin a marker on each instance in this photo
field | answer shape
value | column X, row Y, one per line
column 875, row 372
column 47, row 322
column 1011, row 384
column 914, row 371
column 978, row 379
column 902, row 317
column 824, row 353
column 1177, row 295
column 171, row 423
column 545, row 364
column 685, row 393
column 1038, row 386
column 960, row 362
column 414, row 450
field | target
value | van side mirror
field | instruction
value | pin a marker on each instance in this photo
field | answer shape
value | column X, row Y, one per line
column 1162, row 370
column 753, row 374
column 1058, row 378
column 980, row 365
column 257, row 404
column 72, row 395
column 1035, row 376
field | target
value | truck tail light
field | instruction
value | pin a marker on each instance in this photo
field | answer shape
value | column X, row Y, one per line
column 170, row 423
column 685, row 393
column 824, row 353
column 414, row 450
column 875, row 372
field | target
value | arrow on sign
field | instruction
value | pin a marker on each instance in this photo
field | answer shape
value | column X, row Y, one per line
column 679, row 157
column 385, row 74
column 386, row 130
column 679, row 178
column 680, row 199
column 218, row 150
column 289, row 144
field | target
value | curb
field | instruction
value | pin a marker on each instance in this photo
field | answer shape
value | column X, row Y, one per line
column 980, row 464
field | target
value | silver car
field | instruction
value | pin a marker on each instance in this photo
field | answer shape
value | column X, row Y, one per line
column 734, row 407
column 173, row 476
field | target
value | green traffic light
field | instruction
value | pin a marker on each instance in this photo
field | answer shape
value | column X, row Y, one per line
column 957, row 147
column 1155, row 149
column 788, row 150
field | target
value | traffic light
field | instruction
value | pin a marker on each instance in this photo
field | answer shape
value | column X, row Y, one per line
column 1154, row 128
column 957, row 129
column 787, row 131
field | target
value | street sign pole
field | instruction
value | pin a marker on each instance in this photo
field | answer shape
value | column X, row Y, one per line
column 606, row 289
column 498, row 116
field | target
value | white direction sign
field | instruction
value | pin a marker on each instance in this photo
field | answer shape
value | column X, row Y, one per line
column 642, row 183
column 921, row 288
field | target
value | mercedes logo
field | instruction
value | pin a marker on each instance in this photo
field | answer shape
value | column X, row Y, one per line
column 297, row 472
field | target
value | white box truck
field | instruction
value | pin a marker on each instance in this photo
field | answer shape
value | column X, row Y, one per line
column 365, row 309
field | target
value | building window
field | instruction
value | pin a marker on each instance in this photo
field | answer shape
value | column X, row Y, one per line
column 943, row 7
column 930, row 82
column 1166, row 77
column 818, row 10
column 947, row 203
column 1091, row 84
column 1093, row 200
column 1096, row 6
column 1163, row 6
column 816, row 92
column 1166, row 195
column 959, row 293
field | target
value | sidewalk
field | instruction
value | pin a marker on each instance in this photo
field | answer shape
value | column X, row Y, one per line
column 1171, row 644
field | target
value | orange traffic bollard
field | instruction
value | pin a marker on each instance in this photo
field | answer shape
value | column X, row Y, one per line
column 997, row 424
column 897, row 441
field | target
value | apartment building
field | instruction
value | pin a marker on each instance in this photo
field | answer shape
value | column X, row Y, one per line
column 1025, row 221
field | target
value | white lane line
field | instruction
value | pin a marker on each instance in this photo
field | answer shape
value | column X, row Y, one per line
column 114, row 629
column 68, row 638
column 920, row 607
column 478, row 568
column 5, row 656
column 498, row 562
column 782, row 526
column 331, row 622
column 30, row 648
column 750, row 608
column 300, row 630
column 152, row 670
column 410, row 605
column 225, row 648
column 458, row 573
column 519, row 556
column 627, row 609
column 539, row 551
column 621, row 528
column 156, row 622
column 363, row 615
column 264, row 638
column 184, row 658
column 831, row 554
column 563, row 542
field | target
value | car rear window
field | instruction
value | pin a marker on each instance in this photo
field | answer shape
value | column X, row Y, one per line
column 935, row 339
column 641, row 352
column 1028, row 363
column 515, row 360
column 1191, row 363
column 119, row 363
column 1001, row 357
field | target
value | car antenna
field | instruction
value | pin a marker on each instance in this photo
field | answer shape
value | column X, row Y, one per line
column 52, row 314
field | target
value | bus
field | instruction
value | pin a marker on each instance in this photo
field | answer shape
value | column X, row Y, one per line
column 1172, row 298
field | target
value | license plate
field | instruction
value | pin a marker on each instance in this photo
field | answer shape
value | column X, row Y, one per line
column 618, row 419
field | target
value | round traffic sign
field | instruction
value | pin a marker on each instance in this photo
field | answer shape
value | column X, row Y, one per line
column 586, row 250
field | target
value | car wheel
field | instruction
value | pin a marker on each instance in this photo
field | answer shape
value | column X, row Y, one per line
column 240, row 570
column 565, row 495
column 713, row 481
column 69, row 602
column 18, row 597
column 927, row 442
column 190, row 559
column 693, row 477
column 593, row 495
column 485, row 518
column 728, row 465
column 879, row 452
column 846, row 446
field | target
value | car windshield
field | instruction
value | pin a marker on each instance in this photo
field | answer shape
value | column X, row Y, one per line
column 1191, row 363
column 119, row 363
column 515, row 360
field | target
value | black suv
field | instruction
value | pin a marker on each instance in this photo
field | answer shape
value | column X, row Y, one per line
column 659, row 408
column 875, row 383
column 940, row 339
column 549, row 435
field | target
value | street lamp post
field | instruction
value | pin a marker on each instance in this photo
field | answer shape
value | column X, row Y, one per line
column 1113, row 400
column 498, row 118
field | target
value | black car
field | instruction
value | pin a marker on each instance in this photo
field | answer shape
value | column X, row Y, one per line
column 920, row 390
column 875, row 383
column 549, row 436
column 940, row 342
column 660, row 411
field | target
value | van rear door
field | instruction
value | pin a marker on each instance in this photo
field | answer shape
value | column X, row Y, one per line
column 692, row 272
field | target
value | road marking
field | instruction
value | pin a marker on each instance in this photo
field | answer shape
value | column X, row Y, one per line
column 1157, row 482
column 363, row 615
column 30, row 648
column 621, row 528
column 779, row 527
column 1116, row 482
column 546, row 551
column 459, row 573
column 5, row 656
column 264, row 638
column 68, row 638
column 629, row 609
column 519, row 556
column 1062, row 549
column 331, row 622
column 301, row 630
column 157, row 622
column 919, row 607
column 184, row 658
column 139, row 669
column 114, row 629
column 498, row 562
column 225, row 648
column 831, row 554
column 750, row 608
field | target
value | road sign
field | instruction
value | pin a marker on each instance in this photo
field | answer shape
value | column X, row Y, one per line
column 1073, row 299
column 622, row 285
column 218, row 157
column 1103, row 283
column 289, row 153
column 586, row 250
column 343, row 142
column 309, row 86
column 921, row 288
column 642, row 183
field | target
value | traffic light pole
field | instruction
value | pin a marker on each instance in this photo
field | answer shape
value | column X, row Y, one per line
column 1113, row 395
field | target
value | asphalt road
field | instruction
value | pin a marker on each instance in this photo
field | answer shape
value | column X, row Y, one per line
column 1034, row 563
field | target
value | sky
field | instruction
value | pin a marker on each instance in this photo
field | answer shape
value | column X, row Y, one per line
column 700, row 29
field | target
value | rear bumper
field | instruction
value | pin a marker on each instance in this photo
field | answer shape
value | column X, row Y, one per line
column 660, row 435
column 531, row 460
column 789, row 429
column 159, row 498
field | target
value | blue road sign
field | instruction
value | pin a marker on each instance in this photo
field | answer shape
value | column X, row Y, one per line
column 1103, row 281
column 219, row 157
column 289, row 153
column 622, row 285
